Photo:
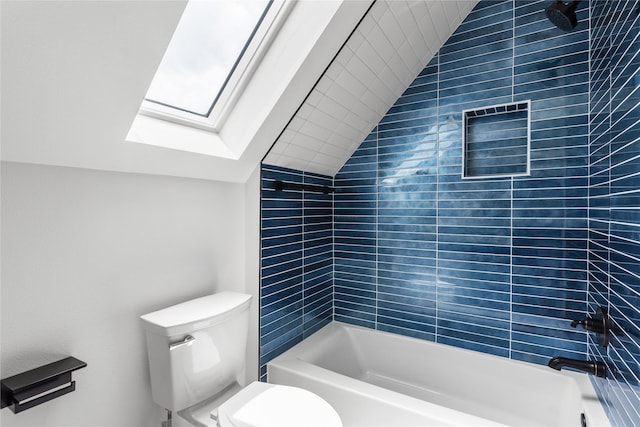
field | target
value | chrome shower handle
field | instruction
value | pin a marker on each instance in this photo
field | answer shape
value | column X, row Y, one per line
column 188, row 340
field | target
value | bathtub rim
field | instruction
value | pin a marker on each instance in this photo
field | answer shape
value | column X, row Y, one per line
column 591, row 405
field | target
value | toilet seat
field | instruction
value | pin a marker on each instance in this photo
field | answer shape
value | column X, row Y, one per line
column 269, row 405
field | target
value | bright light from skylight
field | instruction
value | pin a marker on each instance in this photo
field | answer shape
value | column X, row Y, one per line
column 204, row 50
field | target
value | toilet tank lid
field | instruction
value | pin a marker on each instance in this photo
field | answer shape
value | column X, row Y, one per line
column 195, row 314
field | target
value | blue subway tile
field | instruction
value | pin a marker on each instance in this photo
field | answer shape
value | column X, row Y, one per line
column 495, row 265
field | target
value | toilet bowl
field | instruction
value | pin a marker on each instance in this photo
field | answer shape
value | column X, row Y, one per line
column 268, row 405
column 196, row 360
column 263, row 405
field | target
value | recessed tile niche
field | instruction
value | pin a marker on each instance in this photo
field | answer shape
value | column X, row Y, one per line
column 496, row 141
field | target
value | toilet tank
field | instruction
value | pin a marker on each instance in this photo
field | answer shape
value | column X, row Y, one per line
column 197, row 348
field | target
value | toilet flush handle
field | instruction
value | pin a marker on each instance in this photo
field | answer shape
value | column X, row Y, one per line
column 186, row 341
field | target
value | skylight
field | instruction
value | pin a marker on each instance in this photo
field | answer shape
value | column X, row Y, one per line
column 284, row 53
column 206, row 50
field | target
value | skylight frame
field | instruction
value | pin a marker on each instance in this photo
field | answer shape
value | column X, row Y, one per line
column 263, row 35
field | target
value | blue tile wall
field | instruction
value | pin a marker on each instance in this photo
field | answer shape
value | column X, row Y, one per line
column 614, row 204
column 296, row 292
column 495, row 265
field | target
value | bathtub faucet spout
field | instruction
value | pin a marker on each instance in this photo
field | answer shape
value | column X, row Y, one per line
column 598, row 369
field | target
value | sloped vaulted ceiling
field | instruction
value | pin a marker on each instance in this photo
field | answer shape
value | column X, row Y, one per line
column 385, row 53
column 74, row 74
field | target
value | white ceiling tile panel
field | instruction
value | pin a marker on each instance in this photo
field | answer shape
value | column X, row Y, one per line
column 413, row 34
column 346, row 130
column 288, row 135
column 378, row 39
column 337, row 139
column 357, row 38
column 352, row 104
column 314, row 131
column 280, row 149
column 294, row 163
column 351, row 83
column 325, row 159
column 383, row 56
column 418, row 44
column 324, row 84
column 304, row 111
column 332, row 108
column 365, row 31
column 430, row 34
column 391, row 29
column 397, row 67
column 373, row 101
column 322, row 118
column 418, row 9
column 370, row 56
column 314, row 98
column 379, row 8
column 340, row 96
column 403, row 14
column 371, row 72
column 333, row 151
column 360, row 69
column 408, row 57
column 384, row 89
column 343, row 59
column 440, row 21
column 299, row 152
column 451, row 11
column 306, row 142
column 275, row 158
column 344, row 97
column 356, row 122
column 389, row 74
column 366, row 24
column 464, row 7
column 333, row 72
column 295, row 124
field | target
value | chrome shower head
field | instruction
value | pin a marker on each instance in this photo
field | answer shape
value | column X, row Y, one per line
column 563, row 15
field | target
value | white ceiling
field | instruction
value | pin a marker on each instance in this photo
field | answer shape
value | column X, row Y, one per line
column 390, row 47
column 74, row 74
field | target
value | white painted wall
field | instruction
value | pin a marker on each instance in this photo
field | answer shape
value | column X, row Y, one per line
column 87, row 65
column 85, row 253
column 252, row 268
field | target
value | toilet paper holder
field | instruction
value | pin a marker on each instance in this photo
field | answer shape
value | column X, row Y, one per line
column 36, row 386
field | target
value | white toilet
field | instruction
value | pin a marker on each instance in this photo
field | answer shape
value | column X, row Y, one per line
column 196, row 359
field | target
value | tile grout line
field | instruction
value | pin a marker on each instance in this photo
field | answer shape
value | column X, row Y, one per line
column 333, row 249
column 377, row 183
column 609, row 113
column 513, row 48
column 305, row 193
column 589, row 129
column 437, row 236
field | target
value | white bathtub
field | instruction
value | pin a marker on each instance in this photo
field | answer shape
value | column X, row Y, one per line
column 375, row 378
